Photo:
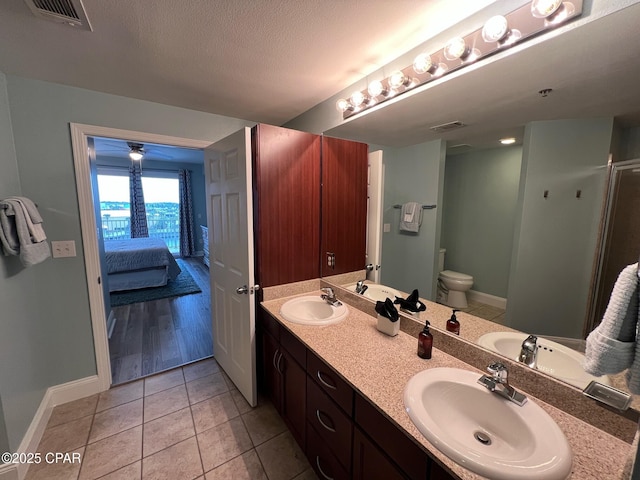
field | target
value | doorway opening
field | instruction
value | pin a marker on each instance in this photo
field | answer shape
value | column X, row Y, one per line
column 158, row 318
column 172, row 315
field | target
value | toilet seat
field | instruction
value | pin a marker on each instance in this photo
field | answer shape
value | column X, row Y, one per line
column 460, row 277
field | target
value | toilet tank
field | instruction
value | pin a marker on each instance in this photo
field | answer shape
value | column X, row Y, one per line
column 441, row 259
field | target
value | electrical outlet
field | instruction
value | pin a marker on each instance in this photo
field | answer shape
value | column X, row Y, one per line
column 66, row 248
column 386, row 228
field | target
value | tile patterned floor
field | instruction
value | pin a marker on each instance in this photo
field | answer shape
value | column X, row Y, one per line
column 487, row 312
column 190, row 423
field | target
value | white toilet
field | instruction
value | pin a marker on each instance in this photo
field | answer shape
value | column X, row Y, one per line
column 452, row 286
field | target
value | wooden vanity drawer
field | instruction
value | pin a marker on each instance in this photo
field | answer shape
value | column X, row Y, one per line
column 330, row 382
column 269, row 324
column 323, row 461
column 330, row 423
column 410, row 457
column 294, row 346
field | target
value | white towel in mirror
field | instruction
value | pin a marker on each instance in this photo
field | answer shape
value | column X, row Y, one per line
column 411, row 217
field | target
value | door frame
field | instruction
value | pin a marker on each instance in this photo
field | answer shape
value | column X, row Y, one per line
column 88, row 226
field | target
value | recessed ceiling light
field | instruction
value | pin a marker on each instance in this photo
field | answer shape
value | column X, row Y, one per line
column 507, row 141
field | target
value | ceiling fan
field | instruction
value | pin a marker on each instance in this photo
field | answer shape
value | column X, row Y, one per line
column 136, row 151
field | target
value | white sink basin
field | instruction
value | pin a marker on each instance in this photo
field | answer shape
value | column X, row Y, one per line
column 378, row 292
column 553, row 358
column 312, row 310
column 484, row 432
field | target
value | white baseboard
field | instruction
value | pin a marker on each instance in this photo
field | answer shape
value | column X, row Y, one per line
column 56, row 395
column 488, row 299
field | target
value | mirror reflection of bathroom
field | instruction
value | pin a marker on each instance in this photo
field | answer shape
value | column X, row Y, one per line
column 515, row 230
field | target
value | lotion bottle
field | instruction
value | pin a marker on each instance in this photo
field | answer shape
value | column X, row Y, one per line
column 425, row 342
column 453, row 325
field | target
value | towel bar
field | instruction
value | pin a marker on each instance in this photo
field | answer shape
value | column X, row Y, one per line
column 425, row 207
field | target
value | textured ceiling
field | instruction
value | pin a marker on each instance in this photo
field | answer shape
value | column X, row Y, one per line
column 259, row 60
column 271, row 60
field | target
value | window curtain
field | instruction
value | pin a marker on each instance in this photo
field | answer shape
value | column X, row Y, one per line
column 136, row 203
column 187, row 243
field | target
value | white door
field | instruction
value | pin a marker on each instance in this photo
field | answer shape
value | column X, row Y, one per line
column 375, row 195
column 230, row 221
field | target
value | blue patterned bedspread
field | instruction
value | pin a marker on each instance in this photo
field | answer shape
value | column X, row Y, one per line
column 139, row 253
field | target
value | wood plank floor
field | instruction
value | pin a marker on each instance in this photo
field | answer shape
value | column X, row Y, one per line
column 150, row 337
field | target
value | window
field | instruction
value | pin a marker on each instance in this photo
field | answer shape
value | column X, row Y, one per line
column 161, row 198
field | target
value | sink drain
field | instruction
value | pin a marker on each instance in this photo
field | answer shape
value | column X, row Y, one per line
column 483, row 438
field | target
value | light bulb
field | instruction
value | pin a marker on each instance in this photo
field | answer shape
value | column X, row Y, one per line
column 496, row 29
column 456, row 49
column 507, row 141
column 135, row 155
column 544, row 8
column 376, row 88
column 357, row 99
column 423, row 64
column 343, row 105
column 398, row 79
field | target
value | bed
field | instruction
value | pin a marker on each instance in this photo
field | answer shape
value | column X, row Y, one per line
column 135, row 263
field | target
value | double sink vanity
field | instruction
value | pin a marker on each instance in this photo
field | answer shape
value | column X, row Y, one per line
column 362, row 404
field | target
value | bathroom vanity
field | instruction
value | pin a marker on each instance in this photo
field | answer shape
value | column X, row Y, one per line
column 340, row 390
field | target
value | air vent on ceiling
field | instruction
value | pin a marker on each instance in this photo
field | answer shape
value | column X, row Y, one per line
column 445, row 127
column 68, row 12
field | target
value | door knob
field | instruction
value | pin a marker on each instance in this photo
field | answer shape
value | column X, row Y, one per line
column 244, row 290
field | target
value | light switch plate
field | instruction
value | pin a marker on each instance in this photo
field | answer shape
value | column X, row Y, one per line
column 66, row 248
column 386, row 228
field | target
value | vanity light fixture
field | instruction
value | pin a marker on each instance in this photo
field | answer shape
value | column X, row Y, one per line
column 424, row 64
column 358, row 99
column 497, row 30
column 376, row 88
column 507, row 141
column 498, row 33
column 545, row 8
column 398, row 80
column 456, row 48
column 343, row 105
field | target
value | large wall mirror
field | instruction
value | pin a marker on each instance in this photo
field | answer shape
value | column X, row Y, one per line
column 543, row 225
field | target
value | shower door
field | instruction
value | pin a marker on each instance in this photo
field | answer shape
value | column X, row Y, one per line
column 620, row 242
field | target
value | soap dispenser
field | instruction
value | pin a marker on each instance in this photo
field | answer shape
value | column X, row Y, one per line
column 453, row 325
column 425, row 342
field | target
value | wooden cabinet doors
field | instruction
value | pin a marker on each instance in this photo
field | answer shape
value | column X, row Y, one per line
column 286, row 170
column 344, row 206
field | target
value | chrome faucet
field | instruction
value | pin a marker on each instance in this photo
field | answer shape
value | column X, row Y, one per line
column 361, row 287
column 498, row 383
column 529, row 352
column 330, row 297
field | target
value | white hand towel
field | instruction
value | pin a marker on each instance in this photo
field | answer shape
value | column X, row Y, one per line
column 32, row 217
column 411, row 217
column 611, row 346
